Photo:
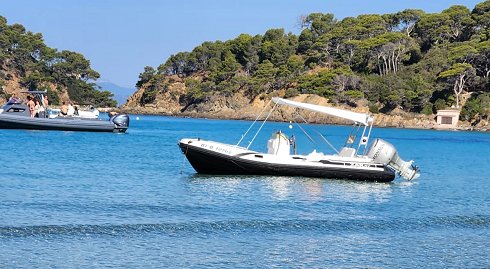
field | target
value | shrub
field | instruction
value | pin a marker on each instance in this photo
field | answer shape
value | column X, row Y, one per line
column 427, row 109
column 373, row 108
column 291, row 93
column 440, row 104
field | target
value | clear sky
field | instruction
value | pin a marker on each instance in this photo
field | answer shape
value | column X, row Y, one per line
column 121, row 37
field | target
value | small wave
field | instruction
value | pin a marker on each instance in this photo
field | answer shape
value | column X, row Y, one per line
column 284, row 226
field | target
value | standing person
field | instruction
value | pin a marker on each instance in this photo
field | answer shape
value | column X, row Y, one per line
column 45, row 101
column 31, row 105
column 64, row 109
column 37, row 108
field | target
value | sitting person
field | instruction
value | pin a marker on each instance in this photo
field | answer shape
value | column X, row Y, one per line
column 64, row 109
column 14, row 99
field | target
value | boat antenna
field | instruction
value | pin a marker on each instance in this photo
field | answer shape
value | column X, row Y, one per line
column 270, row 112
column 246, row 132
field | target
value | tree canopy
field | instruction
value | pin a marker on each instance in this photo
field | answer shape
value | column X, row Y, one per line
column 25, row 55
column 412, row 60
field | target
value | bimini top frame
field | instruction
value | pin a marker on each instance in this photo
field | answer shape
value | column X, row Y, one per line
column 362, row 119
column 358, row 118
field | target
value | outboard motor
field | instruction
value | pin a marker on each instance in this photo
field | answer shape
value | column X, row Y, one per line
column 121, row 121
column 385, row 153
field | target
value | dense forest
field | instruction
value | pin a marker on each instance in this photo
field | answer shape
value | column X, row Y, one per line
column 411, row 60
column 26, row 63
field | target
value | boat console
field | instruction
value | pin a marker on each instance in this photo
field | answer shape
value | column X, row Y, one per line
column 278, row 144
column 17, row 108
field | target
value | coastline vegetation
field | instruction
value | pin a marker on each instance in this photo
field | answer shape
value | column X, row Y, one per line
column 27, row 62
column 415, row 61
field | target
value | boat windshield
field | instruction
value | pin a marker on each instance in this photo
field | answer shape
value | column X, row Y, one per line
column 13, row 101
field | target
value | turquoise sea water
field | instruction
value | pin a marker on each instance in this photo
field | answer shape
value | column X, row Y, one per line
column 92, row 200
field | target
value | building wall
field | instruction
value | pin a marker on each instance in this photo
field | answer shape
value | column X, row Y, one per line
column 447, row 118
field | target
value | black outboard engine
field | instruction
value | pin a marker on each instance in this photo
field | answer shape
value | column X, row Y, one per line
column 121, row 121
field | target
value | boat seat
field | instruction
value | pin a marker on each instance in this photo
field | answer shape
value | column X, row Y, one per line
column 347, row 152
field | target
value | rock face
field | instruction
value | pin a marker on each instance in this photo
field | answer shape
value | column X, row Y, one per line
column 239, row 106
column 13, row 86
column 166, row 102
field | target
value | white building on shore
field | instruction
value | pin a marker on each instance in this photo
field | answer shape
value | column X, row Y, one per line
column 447, row 118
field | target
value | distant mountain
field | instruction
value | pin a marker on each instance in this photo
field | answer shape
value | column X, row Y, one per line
column 121, row 94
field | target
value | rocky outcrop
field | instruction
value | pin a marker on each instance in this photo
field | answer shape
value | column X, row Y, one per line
column 166, row 102
column 13, row 85
column 239, row 106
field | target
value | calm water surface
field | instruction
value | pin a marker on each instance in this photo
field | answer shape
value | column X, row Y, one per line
column 91, row 200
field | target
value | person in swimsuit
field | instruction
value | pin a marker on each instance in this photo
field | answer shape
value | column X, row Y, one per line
column 37, row 108
column 46, row 103
column 31, row 105
column 64, row 109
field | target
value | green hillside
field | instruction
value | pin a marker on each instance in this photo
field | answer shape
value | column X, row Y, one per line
column 411, row 60
column 26, row 63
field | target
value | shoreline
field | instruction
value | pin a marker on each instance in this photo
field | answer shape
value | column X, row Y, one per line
column 426, row 126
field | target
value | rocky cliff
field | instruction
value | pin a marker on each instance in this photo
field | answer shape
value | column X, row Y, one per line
column 172, row 102
column 12, row 85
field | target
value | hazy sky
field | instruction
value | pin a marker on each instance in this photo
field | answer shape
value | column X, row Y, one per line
column 121, row 37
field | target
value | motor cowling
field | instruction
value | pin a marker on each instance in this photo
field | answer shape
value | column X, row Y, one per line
column 120, row 120
column 385, row 153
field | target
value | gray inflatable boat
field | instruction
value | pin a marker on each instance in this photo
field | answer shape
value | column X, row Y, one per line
column 16, row 115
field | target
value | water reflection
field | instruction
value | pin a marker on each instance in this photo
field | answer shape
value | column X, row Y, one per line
column 280, row 186
column 307, row 189
column 361, row 191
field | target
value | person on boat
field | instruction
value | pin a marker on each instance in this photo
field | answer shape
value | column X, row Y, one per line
column 64, row 109
column 37, row 108
column 14, row 99
column 45, row 100
column 31, row 105
column 70, row 110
